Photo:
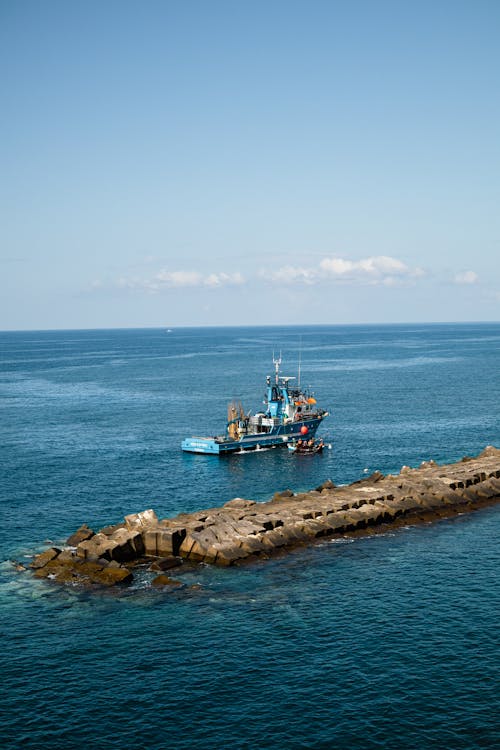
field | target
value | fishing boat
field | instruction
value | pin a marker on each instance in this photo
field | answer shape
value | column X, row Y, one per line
column 290, row 413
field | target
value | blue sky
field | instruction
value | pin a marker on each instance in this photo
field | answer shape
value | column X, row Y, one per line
column 206, row 163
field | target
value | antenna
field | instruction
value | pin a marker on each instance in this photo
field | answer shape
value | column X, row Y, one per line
column 276, row 363
column 300, row 359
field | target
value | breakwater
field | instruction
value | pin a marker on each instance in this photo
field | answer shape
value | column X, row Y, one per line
column 242, row 530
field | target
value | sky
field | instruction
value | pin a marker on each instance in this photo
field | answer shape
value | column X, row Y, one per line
column 195, row 162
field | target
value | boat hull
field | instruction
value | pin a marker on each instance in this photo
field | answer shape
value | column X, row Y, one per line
column 255, row 441
column 305, row 451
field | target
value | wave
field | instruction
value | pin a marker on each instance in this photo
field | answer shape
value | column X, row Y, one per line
column 352, row 365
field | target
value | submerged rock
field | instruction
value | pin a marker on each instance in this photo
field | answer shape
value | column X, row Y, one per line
column 166, row 563
column 83, row 572
column 163, row 580
column 18, row 566
column 110, row 576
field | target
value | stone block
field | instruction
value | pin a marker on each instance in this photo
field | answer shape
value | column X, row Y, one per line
column 40, row 561
column 163, row 542
column 166, row 563
column 56, row 571
column 196, row 544
column 387, row 510
column 296, row 532
column 99, row 546
column 317, row 528
column 224, row 554
column 276, row 537
column 67, row 556
column 130, row 545
column 336, row 522
column 404, row 505
column 80, row 535
column 326, row 486
column 111, row 576
column 251, row 544
column 143, row 520
column 489, row 488
column 239, row 502
column 110, row 530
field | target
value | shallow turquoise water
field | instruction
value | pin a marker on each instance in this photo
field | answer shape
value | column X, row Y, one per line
column 383, row 642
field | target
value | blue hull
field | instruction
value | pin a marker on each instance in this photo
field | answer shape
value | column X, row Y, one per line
column 280, row 436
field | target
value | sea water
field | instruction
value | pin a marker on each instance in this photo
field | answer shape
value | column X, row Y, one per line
column 384, row 642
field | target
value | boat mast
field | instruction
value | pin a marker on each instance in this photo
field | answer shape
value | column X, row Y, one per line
column 300, row 359
column 276, row 363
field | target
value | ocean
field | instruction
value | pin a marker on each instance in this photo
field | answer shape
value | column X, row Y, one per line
column 389, row 641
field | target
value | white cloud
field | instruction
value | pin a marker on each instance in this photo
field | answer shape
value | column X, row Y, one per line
column 373, row 270
column 180, row 280
column 223, row 279
column 377, row 269
column 291, row 275
column 337, row 266
column 380, row 269
column 466, row 277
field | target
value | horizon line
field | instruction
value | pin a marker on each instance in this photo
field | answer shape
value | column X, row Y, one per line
column 247, row 325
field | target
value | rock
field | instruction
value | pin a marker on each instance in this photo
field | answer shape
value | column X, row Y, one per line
column 328, row 485
column 404, row 505
column 67, row 556
column 490, row 452
column 470, row 494
column 267, row 521
column 40, row 561
column 242, row 529
column 278, row 537
column 224, row 553
column 283, row 495
column 166, row 563
column 251, row 544
column 60, row 572
column 98, row 546
column 84, row 572
column 239, row 502
column 80, row 535
column 197, row 544
column 129, row 545
column 163, row 580
column 144, row 520
column 163, row 542
column 110, row 530
column 111, row 576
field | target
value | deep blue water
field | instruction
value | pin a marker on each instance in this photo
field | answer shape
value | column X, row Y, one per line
column 385, row 642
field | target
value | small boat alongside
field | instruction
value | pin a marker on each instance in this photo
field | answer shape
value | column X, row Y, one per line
column 291, row 413
column 306, row 447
